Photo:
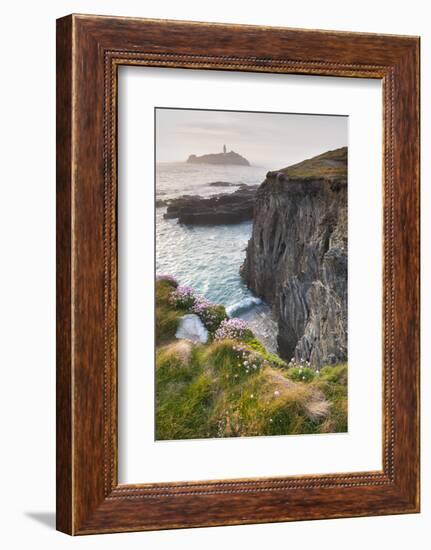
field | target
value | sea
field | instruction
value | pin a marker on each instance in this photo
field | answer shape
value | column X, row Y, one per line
column 208, row 258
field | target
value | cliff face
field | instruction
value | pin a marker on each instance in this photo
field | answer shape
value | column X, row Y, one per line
column 219, row 158
column 296, row 258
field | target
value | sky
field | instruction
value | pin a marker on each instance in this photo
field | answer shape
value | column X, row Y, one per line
column 272, row 140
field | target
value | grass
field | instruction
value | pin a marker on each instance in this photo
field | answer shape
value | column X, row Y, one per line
column 330, row 165
column 333, row 384
column 229, row 389
column 167, row 317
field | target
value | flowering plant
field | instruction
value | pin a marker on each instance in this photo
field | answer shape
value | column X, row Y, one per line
column 248, row 359
column 234, row 329
column 183, row 296
column 301, row 373
column 201, row 305
column 208, row 312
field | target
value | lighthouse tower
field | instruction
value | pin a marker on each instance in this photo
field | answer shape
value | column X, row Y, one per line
column 224, row 149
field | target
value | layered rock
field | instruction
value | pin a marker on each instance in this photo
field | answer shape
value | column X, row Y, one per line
column 227, row 208
column 296, row 258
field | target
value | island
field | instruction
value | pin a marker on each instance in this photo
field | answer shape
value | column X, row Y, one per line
column 224, row 157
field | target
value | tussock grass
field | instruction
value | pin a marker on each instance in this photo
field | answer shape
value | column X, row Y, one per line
column 332, row 382
column 230, row 389
column 177, row 353
column 212, row 395
column 166, row 316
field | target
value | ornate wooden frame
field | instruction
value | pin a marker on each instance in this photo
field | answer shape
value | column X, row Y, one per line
column 89, row 51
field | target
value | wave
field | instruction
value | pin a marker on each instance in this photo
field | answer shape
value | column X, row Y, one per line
column 243, row 305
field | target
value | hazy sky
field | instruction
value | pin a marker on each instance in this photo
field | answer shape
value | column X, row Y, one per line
column 272, row 140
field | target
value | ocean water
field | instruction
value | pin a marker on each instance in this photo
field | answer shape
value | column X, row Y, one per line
column 208, row 258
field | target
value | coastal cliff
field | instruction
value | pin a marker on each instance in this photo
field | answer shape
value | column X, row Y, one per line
column 296, row 258
column 219, row 158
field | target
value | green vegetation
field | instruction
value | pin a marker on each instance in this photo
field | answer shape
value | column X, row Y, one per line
column 232, row 387
column 166, row 316
column 304, row 374
column 330, row 165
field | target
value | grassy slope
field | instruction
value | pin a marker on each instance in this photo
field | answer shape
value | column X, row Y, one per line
column 332, row 164
column 205, row 391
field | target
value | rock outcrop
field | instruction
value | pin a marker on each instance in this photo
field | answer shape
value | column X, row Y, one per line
column 191, row 328
column 226, row 208
column 296, row 259
column 219, row 158
column 223, row 184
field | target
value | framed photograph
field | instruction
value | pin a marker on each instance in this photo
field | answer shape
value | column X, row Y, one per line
column 237, row 274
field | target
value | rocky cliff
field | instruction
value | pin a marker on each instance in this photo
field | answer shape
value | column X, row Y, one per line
column 296, row 258
column 219, row 158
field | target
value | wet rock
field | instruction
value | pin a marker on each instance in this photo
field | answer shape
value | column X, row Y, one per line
column 225, row 208
column 191, row 328
column 175, row 205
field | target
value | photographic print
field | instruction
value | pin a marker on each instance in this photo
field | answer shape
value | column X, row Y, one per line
column 251, row 301
column 238, row 246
